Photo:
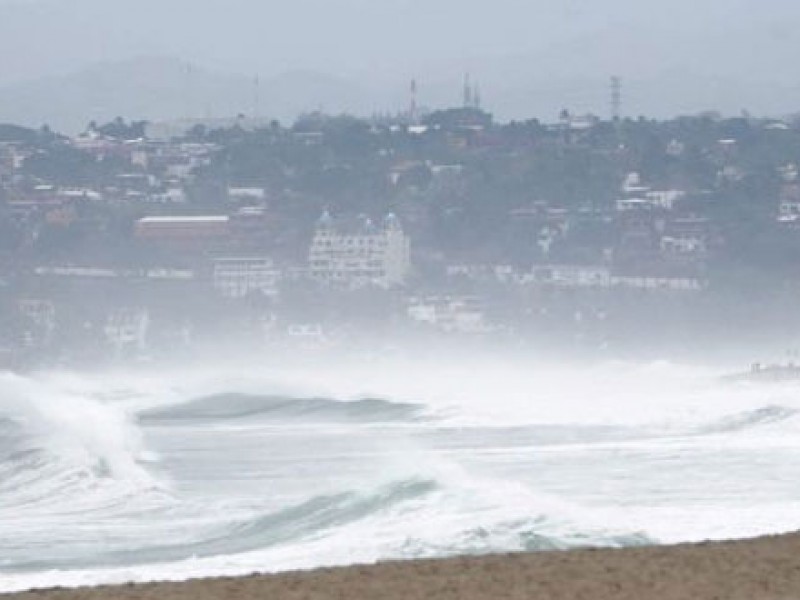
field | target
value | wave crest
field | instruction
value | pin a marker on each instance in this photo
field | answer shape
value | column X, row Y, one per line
column 58, row 448
column 243, row 406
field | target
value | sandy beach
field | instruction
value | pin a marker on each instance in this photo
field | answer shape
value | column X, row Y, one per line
column 761, row 569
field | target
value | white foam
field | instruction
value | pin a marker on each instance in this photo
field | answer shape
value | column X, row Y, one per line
column 683, row 415
column 75, row 427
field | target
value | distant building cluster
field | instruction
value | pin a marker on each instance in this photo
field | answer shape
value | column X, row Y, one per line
column 134, row 237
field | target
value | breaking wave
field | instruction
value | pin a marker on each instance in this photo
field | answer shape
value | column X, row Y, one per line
column 178, row 477
column 66, row 452
column 366, row 518
column 314, row 517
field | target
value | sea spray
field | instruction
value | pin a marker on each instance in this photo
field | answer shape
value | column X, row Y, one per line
column 298, row 466
column 97, row 434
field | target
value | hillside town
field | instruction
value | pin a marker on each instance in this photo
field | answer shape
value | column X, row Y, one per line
column 133, row 241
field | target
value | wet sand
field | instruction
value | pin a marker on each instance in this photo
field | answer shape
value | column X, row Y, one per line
column 760, row 569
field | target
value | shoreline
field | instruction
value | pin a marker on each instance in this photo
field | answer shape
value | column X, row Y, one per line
column 763, row 568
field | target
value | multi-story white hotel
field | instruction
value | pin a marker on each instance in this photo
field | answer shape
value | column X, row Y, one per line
column 359, row 254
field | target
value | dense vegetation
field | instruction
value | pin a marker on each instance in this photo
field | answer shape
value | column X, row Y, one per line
column 469, row 188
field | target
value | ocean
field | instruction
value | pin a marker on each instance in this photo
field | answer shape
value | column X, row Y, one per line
column 169, row 474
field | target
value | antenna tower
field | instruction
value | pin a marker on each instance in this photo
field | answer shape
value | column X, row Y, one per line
column 616, row 97
column 412, row 109
column 256, row 97
column 188, row 92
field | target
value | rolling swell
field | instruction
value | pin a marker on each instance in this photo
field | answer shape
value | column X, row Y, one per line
column 242, row 406
column 329, row 519
column 292, row 524
column 765, row 415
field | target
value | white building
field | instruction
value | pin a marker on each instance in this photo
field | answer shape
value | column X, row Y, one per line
column 789, row 211
column 680, row 284
column 661, row 199
column 449, row 314
column 238, row 277
column 579, row 276
column 172, row 195
column 633, row 186
column 308, row 336
column 665, row 199
column 636, row 195
column 42, row 314
column 683, row 245
column 361, row 255
column 126, row 330
column 471, row 272
column 247, row 194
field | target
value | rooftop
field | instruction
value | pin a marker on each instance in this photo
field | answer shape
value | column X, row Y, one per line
column 186, row 219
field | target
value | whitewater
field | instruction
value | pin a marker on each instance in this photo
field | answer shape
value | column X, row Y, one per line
column 169, row 474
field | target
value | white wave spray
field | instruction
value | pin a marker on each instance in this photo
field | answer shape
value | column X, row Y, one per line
column 297, row 467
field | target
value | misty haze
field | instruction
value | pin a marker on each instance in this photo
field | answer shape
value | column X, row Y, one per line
column 335, row 283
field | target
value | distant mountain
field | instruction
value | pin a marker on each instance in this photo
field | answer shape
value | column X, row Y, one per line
column 160, row 89
column 668, row 80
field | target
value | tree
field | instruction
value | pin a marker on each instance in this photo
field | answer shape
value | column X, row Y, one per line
column 121, row 130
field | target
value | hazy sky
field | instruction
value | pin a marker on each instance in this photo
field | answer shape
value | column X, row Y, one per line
column 728, row 44
column 40, row 37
